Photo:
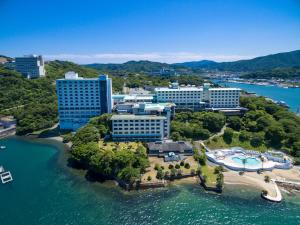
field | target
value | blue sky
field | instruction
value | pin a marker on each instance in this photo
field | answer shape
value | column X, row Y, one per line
column 166, row 30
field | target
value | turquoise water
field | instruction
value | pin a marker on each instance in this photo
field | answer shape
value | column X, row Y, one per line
column 290, row 95
column 249, row 161
column 45, row 192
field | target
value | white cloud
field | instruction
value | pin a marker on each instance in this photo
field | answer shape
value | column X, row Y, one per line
column 171, row 57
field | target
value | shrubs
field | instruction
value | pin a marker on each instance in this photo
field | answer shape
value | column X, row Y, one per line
column 170, row 166
column 202, row 160
column 156, row 167
column 177, row 166
column 149, row 178
column 267, row 179
column 160, row 174
column 199, row 170
column 182, row 163
column 264, row 192
column 220, row 180
column 256, row 141
column 218, row 170
column 228, row 135
column 244, row 136
column 187, row 165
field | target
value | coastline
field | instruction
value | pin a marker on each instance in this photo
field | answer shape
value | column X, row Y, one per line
column 232, row 179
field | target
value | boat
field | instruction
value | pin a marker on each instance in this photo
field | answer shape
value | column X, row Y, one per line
column 2, row 147
column 5, row 176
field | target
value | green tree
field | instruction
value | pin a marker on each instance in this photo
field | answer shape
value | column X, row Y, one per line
column 103, row 162
column 275, row 135
column 86, row 134
column 129, row 174
column 244, row 136
column 234, row 122
column 83, row 153
column 214, row 122
column 228, row 135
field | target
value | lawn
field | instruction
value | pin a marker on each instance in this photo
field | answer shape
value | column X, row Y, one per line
column 218, row 142
column 160, row 161
column 130, row 146
column 208, row 171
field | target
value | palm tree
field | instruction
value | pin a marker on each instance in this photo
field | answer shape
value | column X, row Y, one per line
column 244, row 161
column 262, row 162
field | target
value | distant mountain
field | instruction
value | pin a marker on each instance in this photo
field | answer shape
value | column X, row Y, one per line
column 198, row 64
column 269, row 62
column 143, row 66
column 4, row 59
column 130, row 66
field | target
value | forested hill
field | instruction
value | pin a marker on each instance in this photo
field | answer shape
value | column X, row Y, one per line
column 34, row 102
column 142, row 67
column 269, row 62
column 285, row 73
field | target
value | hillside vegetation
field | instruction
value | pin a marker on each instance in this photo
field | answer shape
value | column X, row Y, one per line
column 286, row 73
column 269, row 62
column 34, row 102
column 265, row 126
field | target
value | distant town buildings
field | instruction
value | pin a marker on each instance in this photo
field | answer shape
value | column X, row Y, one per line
column 139, row 127
column 30, row 66
column 164, row 72
column 79, row 99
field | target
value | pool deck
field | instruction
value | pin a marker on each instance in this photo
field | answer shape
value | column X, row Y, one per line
column 225, row 157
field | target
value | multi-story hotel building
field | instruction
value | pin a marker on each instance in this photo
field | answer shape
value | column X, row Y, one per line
column 183, row 97
column 224, row 97
column 31, row 66
column 139, row 127
column 197, row 98
column 79, row 99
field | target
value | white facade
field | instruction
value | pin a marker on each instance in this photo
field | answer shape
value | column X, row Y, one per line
column 31, row 66
column 79, row 99
column 139, row 127
column 196, row 98
column 183, row 97
column 224, row 97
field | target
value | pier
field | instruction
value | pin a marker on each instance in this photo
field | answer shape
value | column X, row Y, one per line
column 277, row 198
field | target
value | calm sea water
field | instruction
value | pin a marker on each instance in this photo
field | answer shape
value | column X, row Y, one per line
column 45, row 192
column 290, row 95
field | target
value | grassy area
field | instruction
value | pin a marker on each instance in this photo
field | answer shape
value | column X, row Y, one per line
column 160, row 161
column 208, row 171
column 218, row 142
column 130, row 146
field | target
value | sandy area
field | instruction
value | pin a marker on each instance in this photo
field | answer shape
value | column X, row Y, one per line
column 257, row 180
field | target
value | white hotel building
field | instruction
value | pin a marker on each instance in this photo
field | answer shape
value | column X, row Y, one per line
column 140, row 127
column 183, row 97
column 196, row 98
column 79, row 99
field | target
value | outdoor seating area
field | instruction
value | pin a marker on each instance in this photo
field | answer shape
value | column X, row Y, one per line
column 239, row 159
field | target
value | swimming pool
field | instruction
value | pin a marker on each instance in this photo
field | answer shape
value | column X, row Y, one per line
column 251, row 161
